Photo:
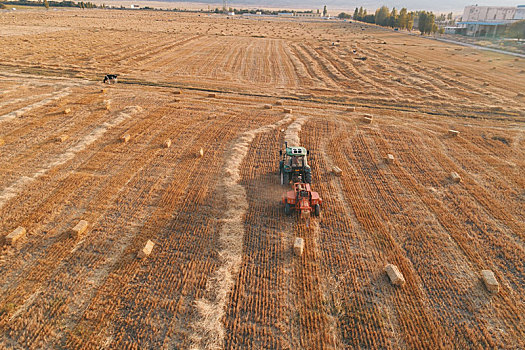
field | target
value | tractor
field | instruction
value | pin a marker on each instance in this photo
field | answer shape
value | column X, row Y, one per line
column 293, row 165
column 303, row 200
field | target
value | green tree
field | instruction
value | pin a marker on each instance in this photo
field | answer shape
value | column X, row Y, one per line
column 403, row 18
column 431, row 27
column 382, row 16
column 356, row 14
column 324, row 11
column 393, row 21
column 426, row 22
column 361, row 13
column 410, row 21
column 423, row 18
column 517, row 30
column 343, row 15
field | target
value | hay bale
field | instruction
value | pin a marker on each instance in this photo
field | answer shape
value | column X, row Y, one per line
column 146, row 251
column 201, row 153
column 350, row 109
column 268, row 106
column 2, row 142
column 337, row 171
column 367, row 118
column 103, row 90
column 167, row 143
column 67, row 110
column 520, row 94
column 79, row 230
column 389, row 159
column 396, row 277
column 453, row 133
column 107, row 104
column 176, row 100
column 490, row 281
column 177, row 92
column 212, row 95
column 15, row 236
column 61, row 138
column 287, row 110
column 486, row 84
column 455, row 177
column 298, row 246
column 125, row 138
column 279, row 103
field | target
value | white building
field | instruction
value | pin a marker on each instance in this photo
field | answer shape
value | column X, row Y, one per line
column 489, row 20
column 520, row 13
column 488, row 13
column 307, row 14
column 299, row 14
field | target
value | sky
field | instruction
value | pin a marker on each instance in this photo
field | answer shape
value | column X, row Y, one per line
column 434, row 5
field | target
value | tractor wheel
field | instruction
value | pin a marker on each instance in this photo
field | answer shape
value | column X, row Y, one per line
column 287, row 209
column 308, row 178
column 317, row 210
column 286, row 178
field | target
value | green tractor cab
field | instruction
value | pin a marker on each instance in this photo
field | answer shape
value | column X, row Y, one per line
column 293, row 165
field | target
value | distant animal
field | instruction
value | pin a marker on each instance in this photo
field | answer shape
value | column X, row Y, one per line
column 110, row 78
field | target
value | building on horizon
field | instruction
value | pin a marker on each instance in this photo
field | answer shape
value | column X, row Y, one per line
column 487, row 21
column 300, row 14
column 307, row 14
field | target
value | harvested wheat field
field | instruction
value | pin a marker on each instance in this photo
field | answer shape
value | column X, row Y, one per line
column 111, row 238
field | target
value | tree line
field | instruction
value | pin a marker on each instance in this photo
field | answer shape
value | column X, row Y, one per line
column 48, row 3
column 426, row 21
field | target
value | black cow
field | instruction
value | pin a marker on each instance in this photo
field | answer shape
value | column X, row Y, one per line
column 110, row 78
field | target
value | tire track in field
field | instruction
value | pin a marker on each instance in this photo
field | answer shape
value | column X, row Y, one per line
column 209, row 330
column 314, row 328
column 291, row 136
